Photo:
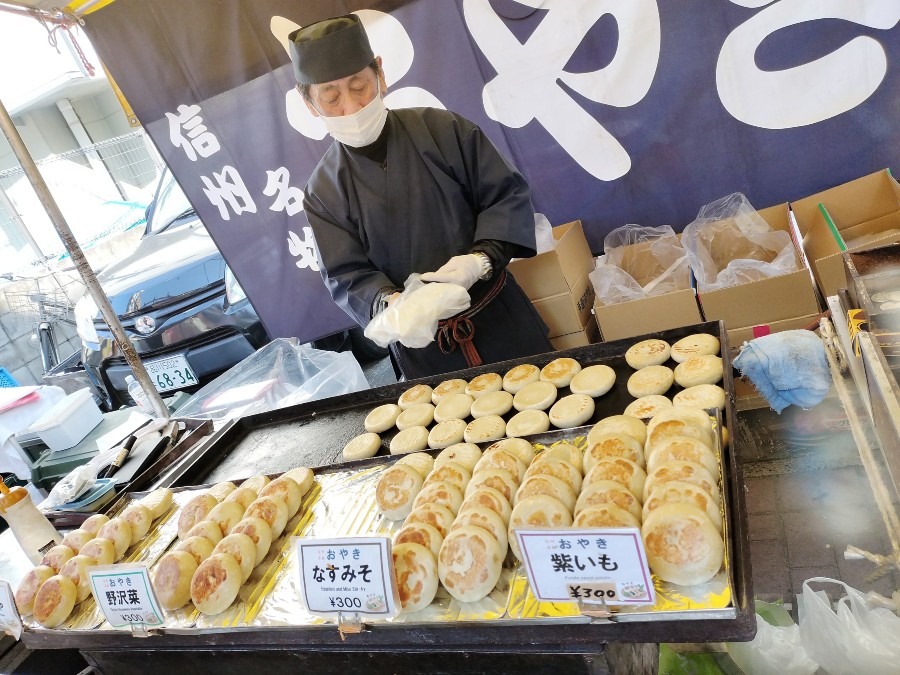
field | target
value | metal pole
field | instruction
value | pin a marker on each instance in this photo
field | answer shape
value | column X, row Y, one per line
column 81, row 263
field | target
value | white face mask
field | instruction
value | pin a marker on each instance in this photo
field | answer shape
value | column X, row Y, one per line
column 360, row 128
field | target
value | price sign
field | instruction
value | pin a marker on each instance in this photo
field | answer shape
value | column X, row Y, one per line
column 593, row 566
column 9, row 615
column 124, row 594
column 348, row 575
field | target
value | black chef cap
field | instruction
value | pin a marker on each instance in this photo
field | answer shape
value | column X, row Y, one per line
column 330, row 50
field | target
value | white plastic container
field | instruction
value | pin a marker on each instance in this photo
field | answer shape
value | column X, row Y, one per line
column 69, row 421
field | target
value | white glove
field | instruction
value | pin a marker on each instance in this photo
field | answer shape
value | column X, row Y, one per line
column 462, row 270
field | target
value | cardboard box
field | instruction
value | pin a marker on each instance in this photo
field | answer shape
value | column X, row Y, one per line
column 767, row 300
column 589, row 335
column 558, row 271
column 567, row 312
column 864, row 207
column 738, row 336
column 649, row 315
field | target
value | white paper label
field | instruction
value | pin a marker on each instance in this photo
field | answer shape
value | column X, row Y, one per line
column 347, row 575
column 124, row 594
column 9, row 615
column 594, row 566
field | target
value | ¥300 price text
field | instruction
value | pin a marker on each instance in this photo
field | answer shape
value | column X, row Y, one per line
column 345, row 603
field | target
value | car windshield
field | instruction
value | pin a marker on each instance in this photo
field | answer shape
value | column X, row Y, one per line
column 170, row 205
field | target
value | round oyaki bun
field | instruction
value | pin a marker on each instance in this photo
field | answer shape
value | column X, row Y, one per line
column 647, row 407
column 446, row 388
column 560, row 468
column 272, row 510
column 538, row 511
column 288, row 490
column 362, row 447
column 194, row 511
column 206, row 529
column 501, row 459
column 648, row 353
column 447, row 433
column 608, row 492
column 514, row 446
column 118, row 531
column 620, row 470
column 484, row 384
column 605, row 515
column 421, row 393
column 226, row 515
column 571, row 411
column 671, row 428
column 199, row 547
column 77, row 570
column 559, row 372
column 29, row 586
column 613, row 445
column 76, row 539
column 256, row 483
column 418, row 415
column 259, row 532
column 484, row 429
column 140, row 519
column 54, row 601
column 94, row 523
column 216, row 583
column 396, row 491
column 479, row 516
column 172, row 579
column 302, row 476
column 499, row 479
column 382, row 418
column 494, row 403
column 453, row 407
column 687, row 472
column 222, row 490
column 686, row 449
column 436, row 515
column 101, row 550
column 527, row 423
column 593, row 381
column 411, row 439
column 547, row 485
column 422, row 462
column 651, row 380
column 683, row 547
column 416, row 574
column 706, row 369
column 679, row 492
column 698, row 418
column 444, row 494
column 488, row 498
column 159, row 501
column 469, row 563
column 694, row 345
column 519, row 376
column 703, row 396
column 243, row 496
column 535, row 396
column 422, row 534
column 619, row 424
column 466, row 454
column 565, row 451
column 242, row 548
column 450, row 472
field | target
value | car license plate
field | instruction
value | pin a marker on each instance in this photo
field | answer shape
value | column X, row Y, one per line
column 172, row 372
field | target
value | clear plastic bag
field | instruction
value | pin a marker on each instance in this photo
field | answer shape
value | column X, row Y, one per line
column 776, row 649
column 543, row 234
column 729, row 243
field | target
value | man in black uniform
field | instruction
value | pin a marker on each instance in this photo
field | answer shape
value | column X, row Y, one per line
column 413, row 190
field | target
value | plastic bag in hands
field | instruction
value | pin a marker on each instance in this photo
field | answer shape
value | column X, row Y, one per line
column 412, row 319
column 776, row 649
column 729, row 243
column 854, row 640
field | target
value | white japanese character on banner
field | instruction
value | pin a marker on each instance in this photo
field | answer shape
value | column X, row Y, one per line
column 389, row 40
column 287, row 198
column 527, row 85
column 197, row 138
column 228, row 190
column 304, row 248
column 811, row 92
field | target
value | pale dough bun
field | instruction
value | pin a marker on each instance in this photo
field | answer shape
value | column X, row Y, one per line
column 159, row 501
column 559, row 468
column 302, row 476
column 535, row 396
column 519, row 376
column 118, row 531
column 647, row 407
column 436, row 515
column 489, row 498
column 243, row 496
column 527, row 423
column 362, row 447
column 494, row 403
column 57, row 556
column 140, row 519
column 418, row 415
column 648, row 353
column 444, row 494
column 559, row 372
column 222, row 490
column 686, row 449
column 76, row 539
column 542, row 484
column 605, row 515
column 194, row 511
column 411, row 439
column 416, row 575
column 485, row 518
column 703, row 396
column 242, row 548
column 272, row 510
column 619, row 424
column 200, row 548
column 446, row 434
column 499, row 479
column 420, row 533
column 484, row 385
column 593, row 381
column 208, row 530
column 694, row 345
column 672, row 428
column 613, row 445
column 515, row 446
column 422, row 462
column 396, row 490
column 453, row 407
column 257, row 483
column 469, row 563
column 608, row 492
column 484, row 429
column 450, row 472
column 77, row 570
column 622, row 471
column 226, row 515
column 501, row 459
column 259, row 532
column 288, row 490
column 568, row 452
column 94, row 523
column 536, row 512
column 54, row 601
column 651, row 380
column 683, row 547
column 421, row 393
column 101, row 550
column 215, row 584
column 571, row 411
column 687, row 472
column 446, row 388
column 29, row 587
column 466, row 454
column 172, row 579
column 696, row 370
column 382, row 418
column 679, row 492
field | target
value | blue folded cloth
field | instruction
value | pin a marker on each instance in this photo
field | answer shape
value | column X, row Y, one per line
column 787, row 368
